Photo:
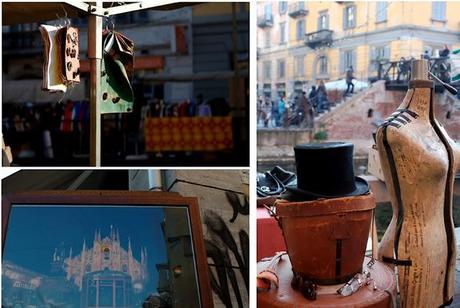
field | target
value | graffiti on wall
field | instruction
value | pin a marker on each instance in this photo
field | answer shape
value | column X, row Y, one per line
column 221, row 246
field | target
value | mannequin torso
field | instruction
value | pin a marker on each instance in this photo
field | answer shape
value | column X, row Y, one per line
column 417, row 161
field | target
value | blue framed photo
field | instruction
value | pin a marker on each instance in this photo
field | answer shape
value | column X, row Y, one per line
column 103, row 249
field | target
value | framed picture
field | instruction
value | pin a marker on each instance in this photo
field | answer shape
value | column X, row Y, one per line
column 103, row 249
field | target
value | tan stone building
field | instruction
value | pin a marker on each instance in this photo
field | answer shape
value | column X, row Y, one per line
column 301, row 42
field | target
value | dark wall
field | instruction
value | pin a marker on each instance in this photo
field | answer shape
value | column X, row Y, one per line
column 33, row 180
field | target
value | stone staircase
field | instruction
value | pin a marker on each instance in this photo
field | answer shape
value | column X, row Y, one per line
column 342, row 102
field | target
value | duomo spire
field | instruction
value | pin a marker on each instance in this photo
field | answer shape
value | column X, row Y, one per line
column 106, row 254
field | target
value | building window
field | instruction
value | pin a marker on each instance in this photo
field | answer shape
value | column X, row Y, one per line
column 267, row 38
column 268, row 11
column 281, row 89
column 281, row 68
column 322, row 64
column 298, row 88
column 300, row 29
column 379, row 54
column 267, row 69
column 267, row 90
column 349, row 17
column 381, row 11
column 382, row 53
column 283, row 7
column 438, row 10
column 282, row 33
column 299, row 66
column 301, row 5
column 347, row 59
column 323, row 20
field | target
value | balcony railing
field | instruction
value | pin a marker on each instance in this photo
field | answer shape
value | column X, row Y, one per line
column 319, row 39
column 297, row 9
column 265, row 21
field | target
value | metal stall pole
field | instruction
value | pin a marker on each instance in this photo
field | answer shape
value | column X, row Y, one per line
column 95, row 58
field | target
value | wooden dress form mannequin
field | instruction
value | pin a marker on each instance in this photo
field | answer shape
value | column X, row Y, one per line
column 419, row 162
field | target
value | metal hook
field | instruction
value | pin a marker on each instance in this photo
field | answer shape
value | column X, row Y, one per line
column 112, row 23
column 63, row 21
column 109, row 24
column 65, row 12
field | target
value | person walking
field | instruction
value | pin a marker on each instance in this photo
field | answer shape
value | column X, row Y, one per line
column 307, row 110
column 323, row 102
column 274, row 114
column 445, row 52
column 313, row 97
column 281, row 111
column 349, row 80
column 403, row 69
column 266, row 110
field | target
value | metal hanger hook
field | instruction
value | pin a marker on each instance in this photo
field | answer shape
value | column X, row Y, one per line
column 63, row 21
column 111, row 24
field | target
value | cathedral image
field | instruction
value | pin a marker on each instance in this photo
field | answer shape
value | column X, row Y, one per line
column 106, row 254
column 105, row 273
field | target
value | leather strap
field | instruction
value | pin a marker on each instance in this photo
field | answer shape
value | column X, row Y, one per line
column 397, row 261
column 421, row 84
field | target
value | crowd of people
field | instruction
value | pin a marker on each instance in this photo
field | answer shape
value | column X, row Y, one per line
column 300, row 110
column 60, row 131
column 48, row 130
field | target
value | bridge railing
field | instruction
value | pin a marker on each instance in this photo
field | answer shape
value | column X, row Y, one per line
column 397, row 73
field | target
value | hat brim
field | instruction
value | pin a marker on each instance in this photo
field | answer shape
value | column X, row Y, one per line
column 362, row 187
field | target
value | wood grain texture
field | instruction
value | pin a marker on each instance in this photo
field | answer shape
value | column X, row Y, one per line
column 418, row 163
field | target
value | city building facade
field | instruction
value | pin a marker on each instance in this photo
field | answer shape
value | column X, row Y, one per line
column 300, row 43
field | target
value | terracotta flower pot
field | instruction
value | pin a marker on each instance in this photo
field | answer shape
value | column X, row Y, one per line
column 326, row 239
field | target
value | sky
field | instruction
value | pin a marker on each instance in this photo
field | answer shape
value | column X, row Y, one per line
column 34, row 232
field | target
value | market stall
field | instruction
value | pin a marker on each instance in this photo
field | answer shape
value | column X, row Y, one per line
column 16, row 13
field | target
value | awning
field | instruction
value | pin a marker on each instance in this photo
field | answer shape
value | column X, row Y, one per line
column 28, row 12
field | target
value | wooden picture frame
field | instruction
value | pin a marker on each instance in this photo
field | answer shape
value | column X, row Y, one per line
column 123, row 198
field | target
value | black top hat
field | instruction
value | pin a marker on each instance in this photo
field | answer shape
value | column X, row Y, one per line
column 325, row 170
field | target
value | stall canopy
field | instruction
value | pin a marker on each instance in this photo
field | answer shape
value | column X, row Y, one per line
column 27, row 12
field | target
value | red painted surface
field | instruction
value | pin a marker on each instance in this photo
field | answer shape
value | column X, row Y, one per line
column 269, row 236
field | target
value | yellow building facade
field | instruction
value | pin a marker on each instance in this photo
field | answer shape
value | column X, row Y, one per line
column 302, row 42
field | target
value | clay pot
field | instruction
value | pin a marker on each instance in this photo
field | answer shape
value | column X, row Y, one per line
column 326, row 239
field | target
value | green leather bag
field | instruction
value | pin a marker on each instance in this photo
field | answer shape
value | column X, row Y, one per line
column 116, row 73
